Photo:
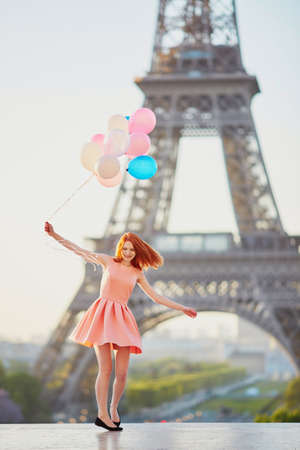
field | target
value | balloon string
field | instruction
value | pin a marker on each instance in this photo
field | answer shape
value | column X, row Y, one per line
column 71, row 196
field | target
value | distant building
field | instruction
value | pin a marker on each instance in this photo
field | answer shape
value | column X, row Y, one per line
column 249, row 335
column 253, row 361
column 204, row 349
column 256, row 349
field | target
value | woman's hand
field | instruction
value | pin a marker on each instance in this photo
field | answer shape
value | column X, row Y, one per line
column 49, row 228
column 190, row 312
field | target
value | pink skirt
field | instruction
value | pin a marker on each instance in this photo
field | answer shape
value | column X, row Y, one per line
column 108, row 321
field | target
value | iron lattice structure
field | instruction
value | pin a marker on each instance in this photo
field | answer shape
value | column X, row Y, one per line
column 197, row 85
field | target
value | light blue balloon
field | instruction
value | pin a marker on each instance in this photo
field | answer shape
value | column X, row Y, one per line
column 127, row 117
column 142, row 167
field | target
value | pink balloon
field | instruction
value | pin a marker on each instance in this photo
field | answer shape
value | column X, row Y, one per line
column 110, row 182
column 139, row 144
column 98, row 138
column 142, row 121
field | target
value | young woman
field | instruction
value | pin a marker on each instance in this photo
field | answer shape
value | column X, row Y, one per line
column 108, row 324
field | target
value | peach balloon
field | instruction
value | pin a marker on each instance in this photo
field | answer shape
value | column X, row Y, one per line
column 118, row 122
column 107, row 166
column 142, row 121
column 89, row 155
column 110, row 182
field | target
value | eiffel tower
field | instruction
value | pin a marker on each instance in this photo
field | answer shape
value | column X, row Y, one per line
column 197, row 86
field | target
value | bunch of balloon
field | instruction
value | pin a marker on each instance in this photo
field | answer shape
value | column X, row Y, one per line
column 126, row 136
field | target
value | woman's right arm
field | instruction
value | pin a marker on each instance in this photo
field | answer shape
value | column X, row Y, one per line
column 97, row 258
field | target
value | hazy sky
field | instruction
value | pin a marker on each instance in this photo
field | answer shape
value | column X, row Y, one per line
column 66, row 67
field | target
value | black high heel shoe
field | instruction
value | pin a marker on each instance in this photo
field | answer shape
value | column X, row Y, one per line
column 117, row 423
column 100, row 423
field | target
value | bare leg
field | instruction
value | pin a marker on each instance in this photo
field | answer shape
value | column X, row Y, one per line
column 103, row 354
column 121, row 369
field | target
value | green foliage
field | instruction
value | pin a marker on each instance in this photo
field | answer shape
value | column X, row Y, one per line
column 25, row 390
column 290, row 410
column 262, row 418
column 2, row 374
column 149, row 393
column 238, row 405
column 282, row 414
column 18, row 366
column 292, row 393
column 169, row 366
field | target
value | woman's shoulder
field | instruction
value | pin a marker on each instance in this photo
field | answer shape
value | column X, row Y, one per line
column 105, row 259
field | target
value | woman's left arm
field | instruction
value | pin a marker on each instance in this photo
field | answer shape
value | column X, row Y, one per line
column 157, row 298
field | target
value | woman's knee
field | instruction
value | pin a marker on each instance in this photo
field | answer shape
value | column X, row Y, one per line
column 121, row 376
column 105, row 370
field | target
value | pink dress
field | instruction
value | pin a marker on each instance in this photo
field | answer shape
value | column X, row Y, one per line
column 109, row 319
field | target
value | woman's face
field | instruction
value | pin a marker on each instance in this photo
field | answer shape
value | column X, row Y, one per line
column 128, row 252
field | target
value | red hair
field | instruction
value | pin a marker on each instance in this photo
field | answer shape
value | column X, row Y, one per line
column 145, row 255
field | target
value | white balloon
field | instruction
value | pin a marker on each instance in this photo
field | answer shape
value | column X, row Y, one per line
column 117, row 142
column 118, row 122
column 107, row 166
column 89, row 155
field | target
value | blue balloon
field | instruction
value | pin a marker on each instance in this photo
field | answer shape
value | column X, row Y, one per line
column 127, row 117
column 142, row 167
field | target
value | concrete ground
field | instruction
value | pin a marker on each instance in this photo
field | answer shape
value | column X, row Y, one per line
column 152, row 436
